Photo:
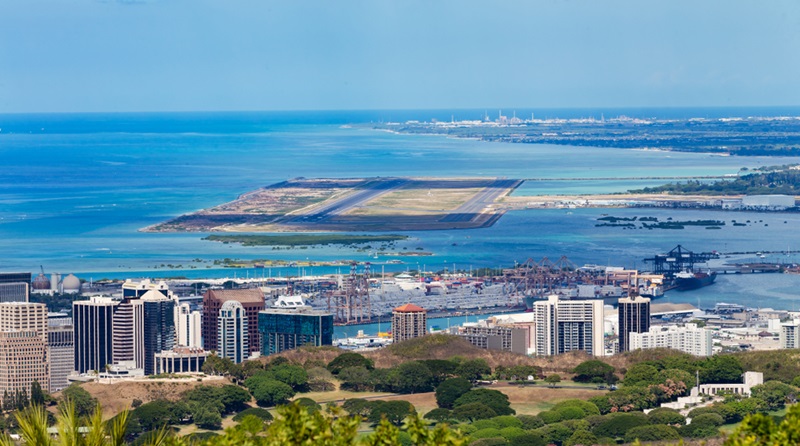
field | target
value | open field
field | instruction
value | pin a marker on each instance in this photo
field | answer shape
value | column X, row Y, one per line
column 356, row 204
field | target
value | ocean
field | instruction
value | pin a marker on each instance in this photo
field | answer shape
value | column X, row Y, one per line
column 76, row 188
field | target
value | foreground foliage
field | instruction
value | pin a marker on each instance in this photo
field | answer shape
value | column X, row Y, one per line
column 295, row 424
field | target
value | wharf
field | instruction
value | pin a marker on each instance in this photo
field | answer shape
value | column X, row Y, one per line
column 751, row 268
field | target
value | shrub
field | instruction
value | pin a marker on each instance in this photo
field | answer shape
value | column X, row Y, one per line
column 439, row 414
column 656, row 432
column 485, row 424
column 507, row 421
column 496, row 400
column 530, row 422
column 664, row 415
column 550, row 417
column 582, row 438
column 450, row 390
column 528, row 439
column 488, row 432
column 473, row 411
column 555, row 433
column 349, row 359
column 255, row 411
column 569, row 413
column 494, row 441
column 619, row 424
column 586, row 407
column 511, row 432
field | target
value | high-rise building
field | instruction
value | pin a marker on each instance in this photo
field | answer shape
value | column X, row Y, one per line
column 15, row 287
column 61, row 349
column 14, row 292
column 252, row 301
column 93, row 334
column 288, row 326
column 689, row 339
column 634, row 317
column 23, row 347
column 566, row 325
column 153, row 328
column 790, row 334
column 133, row 289
column 409, row 321
column 188, row 326
column 232, row 332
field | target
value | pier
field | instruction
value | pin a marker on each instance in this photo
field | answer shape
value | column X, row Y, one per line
column 751, row 268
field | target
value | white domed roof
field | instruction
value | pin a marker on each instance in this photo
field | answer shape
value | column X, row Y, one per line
column 71, row 284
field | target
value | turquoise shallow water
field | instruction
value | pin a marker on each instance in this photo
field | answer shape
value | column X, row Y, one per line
column 74, row 190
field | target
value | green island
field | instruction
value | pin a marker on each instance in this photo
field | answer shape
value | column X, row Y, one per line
column 772, row 180
column 653, row 223
column 303, row 239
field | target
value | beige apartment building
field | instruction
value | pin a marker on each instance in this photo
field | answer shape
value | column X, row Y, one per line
column 23, row 347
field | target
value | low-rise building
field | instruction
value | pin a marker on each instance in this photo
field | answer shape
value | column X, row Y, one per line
column 689, row 339
column 181, row 360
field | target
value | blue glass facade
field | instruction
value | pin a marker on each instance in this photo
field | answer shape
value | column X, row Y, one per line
column 284, row 330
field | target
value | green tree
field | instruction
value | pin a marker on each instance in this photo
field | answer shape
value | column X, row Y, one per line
column 529, row 439
column 473, row 411
column 357, row 379
column 438, row 414
column 206, row 417
column 497, row 401
column 721, row 369
column 358, row 406
column 618, row 424
column 393, row 411
column 154, row 415
column 553, row 379
column 349, row 359
column 556, row 433
column 473, row 369
column 761, row 430
column 80, row 398
column 657, row 432
column 411, row 377
column 530, row 422
column 37, row 394
column 582, row 438
column 592, row 371
column 587, row 408
column 450, row 390
column 775, row 394
column 664, row 415
column 441, row 369
column 293, row 375
column 270, row 392
column 641, row 374
column 258, row 412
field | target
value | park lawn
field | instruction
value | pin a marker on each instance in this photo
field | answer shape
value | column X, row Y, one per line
column 339, row 396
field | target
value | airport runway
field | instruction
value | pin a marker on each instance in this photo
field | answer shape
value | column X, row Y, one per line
column 344, row 204
column 475, row 205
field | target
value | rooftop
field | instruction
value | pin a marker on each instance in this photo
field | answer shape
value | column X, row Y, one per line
column 409, row 308
column 249, row 295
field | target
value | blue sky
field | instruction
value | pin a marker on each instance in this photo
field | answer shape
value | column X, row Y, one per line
column 187, row 55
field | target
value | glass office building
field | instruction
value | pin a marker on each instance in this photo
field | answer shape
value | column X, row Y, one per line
column 287, row 328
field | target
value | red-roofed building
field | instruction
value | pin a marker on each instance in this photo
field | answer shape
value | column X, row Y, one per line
column 409, row 321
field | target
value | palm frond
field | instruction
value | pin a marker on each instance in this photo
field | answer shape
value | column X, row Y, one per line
column 33, row 426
